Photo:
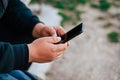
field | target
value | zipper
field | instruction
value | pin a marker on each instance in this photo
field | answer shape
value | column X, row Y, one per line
column 2, row 9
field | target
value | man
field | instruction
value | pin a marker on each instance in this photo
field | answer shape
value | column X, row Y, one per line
column 25, row 39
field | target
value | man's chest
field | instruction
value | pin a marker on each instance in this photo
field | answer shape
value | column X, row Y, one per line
column 3, row 6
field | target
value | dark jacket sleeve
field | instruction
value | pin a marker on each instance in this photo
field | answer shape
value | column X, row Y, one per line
column 13, row 57
column 19, row 17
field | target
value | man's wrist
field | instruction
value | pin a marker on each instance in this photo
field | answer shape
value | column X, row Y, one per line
column 31, row 51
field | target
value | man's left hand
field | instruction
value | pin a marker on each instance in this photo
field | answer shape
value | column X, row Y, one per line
column 41, row 30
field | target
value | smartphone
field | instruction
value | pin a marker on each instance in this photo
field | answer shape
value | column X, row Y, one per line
column 72, row 33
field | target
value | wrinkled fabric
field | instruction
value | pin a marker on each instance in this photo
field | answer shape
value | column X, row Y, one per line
column 3, row 6
column 18, row 75
column 16, row 25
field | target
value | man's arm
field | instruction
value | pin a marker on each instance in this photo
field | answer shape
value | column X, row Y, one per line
column 19, row 17
column 13, row 57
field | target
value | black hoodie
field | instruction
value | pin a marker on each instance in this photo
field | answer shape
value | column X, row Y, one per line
column 16, row 25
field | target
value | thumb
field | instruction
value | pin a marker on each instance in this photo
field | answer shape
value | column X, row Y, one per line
column 53, row 39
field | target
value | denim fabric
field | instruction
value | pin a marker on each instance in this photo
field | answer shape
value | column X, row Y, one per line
column 7, row 77
column 18, row 75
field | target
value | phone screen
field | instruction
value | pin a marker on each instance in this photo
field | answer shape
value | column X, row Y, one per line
column 72, row 33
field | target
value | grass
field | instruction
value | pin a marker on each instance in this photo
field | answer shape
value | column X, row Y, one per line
column 116, row 3
column 66, row 6
column 94, row 5
column 70, row 7
column 48, row 73
column 108, row 25
column 117, row 16
column 65, row 17
column 83, row 1
column 78, row 14
column 113, row 37
column 103, row 5
column 100, row 18
column 59, row 5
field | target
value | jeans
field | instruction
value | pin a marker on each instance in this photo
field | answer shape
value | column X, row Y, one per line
column 18, row 75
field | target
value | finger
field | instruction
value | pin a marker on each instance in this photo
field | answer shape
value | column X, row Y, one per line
column 60, row 31
column 51, row 31
column 68, row 43
column 60, row 54
column 52, row 39
column 61, row 47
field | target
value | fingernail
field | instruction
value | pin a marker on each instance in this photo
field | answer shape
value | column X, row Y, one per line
column 59, row 38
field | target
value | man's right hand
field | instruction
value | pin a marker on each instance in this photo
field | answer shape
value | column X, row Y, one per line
column 44, row 50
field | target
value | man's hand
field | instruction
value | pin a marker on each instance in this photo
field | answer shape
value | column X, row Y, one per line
column 44, row 50
column 41, row 30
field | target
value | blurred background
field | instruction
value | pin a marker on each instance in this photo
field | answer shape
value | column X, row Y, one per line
column 93, row 55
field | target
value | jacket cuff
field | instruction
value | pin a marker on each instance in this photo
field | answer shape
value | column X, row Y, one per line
column 21, row 56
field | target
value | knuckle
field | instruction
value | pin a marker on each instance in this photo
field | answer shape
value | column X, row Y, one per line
column 45, row 29
column 53, row 49
column 51, row 29
column 64, row 48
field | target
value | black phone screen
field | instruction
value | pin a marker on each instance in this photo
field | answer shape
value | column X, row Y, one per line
column 72, row 33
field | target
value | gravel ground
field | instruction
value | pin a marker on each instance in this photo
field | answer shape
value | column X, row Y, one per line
column 90, row 56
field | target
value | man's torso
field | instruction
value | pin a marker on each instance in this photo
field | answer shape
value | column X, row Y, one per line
column 3, row 6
